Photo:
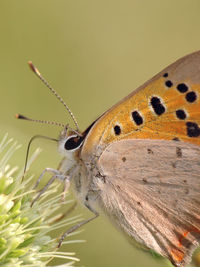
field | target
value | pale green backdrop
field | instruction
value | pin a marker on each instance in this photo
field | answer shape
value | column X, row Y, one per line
column 94, row 53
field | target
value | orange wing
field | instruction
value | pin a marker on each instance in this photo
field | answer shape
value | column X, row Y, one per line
column 166, row 107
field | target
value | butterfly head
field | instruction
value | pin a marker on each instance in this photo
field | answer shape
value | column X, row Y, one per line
column 70, row 142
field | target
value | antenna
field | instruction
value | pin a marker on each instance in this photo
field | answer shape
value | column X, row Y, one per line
column 36, row 71
column 22, row 117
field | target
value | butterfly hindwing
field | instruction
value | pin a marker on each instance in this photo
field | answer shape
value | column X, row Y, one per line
column 153, row 192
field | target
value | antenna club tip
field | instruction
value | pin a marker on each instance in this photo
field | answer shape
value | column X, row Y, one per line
column 30, row 63
column 33, row 68
column 19, row 116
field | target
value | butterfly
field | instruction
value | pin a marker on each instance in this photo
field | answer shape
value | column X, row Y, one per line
column 140, row 162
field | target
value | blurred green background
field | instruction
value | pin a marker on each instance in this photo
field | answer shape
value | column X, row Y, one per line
column 93, row 53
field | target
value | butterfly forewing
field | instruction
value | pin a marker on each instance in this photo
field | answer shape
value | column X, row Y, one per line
column 165, row 107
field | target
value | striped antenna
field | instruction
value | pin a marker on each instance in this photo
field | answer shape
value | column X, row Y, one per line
column 36, row 71
column 22, row 117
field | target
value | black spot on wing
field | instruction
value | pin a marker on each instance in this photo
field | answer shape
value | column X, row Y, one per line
column 192, row 129
column 117, row 130
column 157, row 105
column 182, row 87
column 180, row 114
column 169, row 83
column 137, row 118
column 191, row 97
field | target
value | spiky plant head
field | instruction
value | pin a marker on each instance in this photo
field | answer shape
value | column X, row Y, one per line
column 24, row 230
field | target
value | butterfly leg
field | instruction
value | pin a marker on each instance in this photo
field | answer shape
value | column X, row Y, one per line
column 78, row 225
column 66, row 187
column 51, row 170
column 54, row 177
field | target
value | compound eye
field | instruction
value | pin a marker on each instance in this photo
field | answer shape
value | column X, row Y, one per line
column 73, row 142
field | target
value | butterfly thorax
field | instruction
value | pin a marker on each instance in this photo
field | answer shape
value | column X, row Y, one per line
column 70, row 146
